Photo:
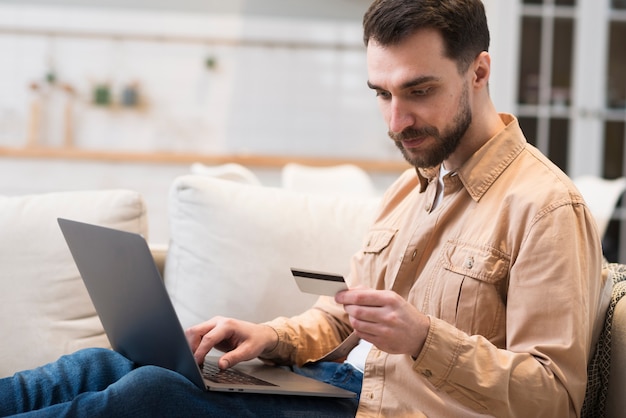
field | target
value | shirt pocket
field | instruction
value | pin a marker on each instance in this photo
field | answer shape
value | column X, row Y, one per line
column 377, row 240
column 375, row 258
column 473, row 294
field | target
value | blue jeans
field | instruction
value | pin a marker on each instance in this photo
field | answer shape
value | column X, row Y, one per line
column 102, row 383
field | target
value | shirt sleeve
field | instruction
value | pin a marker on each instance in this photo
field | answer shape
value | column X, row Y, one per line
column 310, row 336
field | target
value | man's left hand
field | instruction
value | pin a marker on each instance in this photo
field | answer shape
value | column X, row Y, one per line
column 386, row 320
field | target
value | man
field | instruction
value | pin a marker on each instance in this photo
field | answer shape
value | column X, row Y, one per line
column 478, row 290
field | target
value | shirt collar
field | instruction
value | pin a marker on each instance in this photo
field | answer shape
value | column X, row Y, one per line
column 482, row 169
column 425, row 175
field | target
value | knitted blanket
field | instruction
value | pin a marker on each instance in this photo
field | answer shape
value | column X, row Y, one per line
column 600, row 365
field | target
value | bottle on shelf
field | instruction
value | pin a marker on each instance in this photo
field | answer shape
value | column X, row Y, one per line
column 33, row 135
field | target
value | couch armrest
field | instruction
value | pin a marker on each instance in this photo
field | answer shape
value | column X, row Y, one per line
column 159, row 253
column 616, row 402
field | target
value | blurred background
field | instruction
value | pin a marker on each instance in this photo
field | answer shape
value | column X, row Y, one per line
column 130, row 93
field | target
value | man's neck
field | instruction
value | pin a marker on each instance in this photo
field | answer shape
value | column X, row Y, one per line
column 477, row 135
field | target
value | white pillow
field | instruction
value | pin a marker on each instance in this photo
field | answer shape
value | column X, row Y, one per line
column 45, row 310
column 232, row 246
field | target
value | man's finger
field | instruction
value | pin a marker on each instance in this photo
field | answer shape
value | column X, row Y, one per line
column 362, row 297
column 209, row 340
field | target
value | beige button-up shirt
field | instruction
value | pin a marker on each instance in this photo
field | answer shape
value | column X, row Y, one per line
column 507, row 266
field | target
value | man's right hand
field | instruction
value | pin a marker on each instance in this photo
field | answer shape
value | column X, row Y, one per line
column 239, row 340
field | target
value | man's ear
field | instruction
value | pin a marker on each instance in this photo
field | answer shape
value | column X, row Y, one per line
column 481, row 69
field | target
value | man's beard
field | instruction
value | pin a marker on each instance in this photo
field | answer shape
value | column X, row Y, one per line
column 446, row 143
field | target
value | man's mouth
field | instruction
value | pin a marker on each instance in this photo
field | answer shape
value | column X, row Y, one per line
column 413, row 142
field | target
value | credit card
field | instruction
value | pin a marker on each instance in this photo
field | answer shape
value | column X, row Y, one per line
column 318, row 283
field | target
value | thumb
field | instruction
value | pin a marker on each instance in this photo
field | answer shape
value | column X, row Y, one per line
column 232, row 358
column 223, row 362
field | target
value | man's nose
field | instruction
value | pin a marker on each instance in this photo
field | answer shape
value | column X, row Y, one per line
column 400, row 116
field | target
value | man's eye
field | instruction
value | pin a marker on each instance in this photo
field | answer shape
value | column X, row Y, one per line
column 383, row 94
column 420, row 92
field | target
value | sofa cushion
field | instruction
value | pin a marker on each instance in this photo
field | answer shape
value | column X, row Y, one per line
column 231, row 246
column 44, row 306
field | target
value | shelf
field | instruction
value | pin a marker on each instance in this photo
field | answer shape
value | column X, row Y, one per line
column 170, row 157
column 184, row 39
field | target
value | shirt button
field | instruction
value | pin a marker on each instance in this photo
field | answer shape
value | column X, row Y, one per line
column 413, row 255
column 428, row 207
column 427, row 373
column 469, row 263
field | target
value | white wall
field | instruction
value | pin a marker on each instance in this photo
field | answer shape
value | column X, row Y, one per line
column 503, row 20
column 268, row 99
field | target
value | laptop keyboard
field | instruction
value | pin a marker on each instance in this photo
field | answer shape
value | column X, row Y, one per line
column 230, row 376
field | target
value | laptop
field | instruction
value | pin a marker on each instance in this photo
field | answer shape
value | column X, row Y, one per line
column 140, row 321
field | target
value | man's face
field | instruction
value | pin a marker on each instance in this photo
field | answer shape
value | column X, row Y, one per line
column 423, row 98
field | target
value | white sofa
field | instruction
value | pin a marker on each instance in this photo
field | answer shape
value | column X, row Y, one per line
column 231, row 246
column 44, row 308
column 230, row 252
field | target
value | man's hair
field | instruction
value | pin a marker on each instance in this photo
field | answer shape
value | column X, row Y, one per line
column 461, row 23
